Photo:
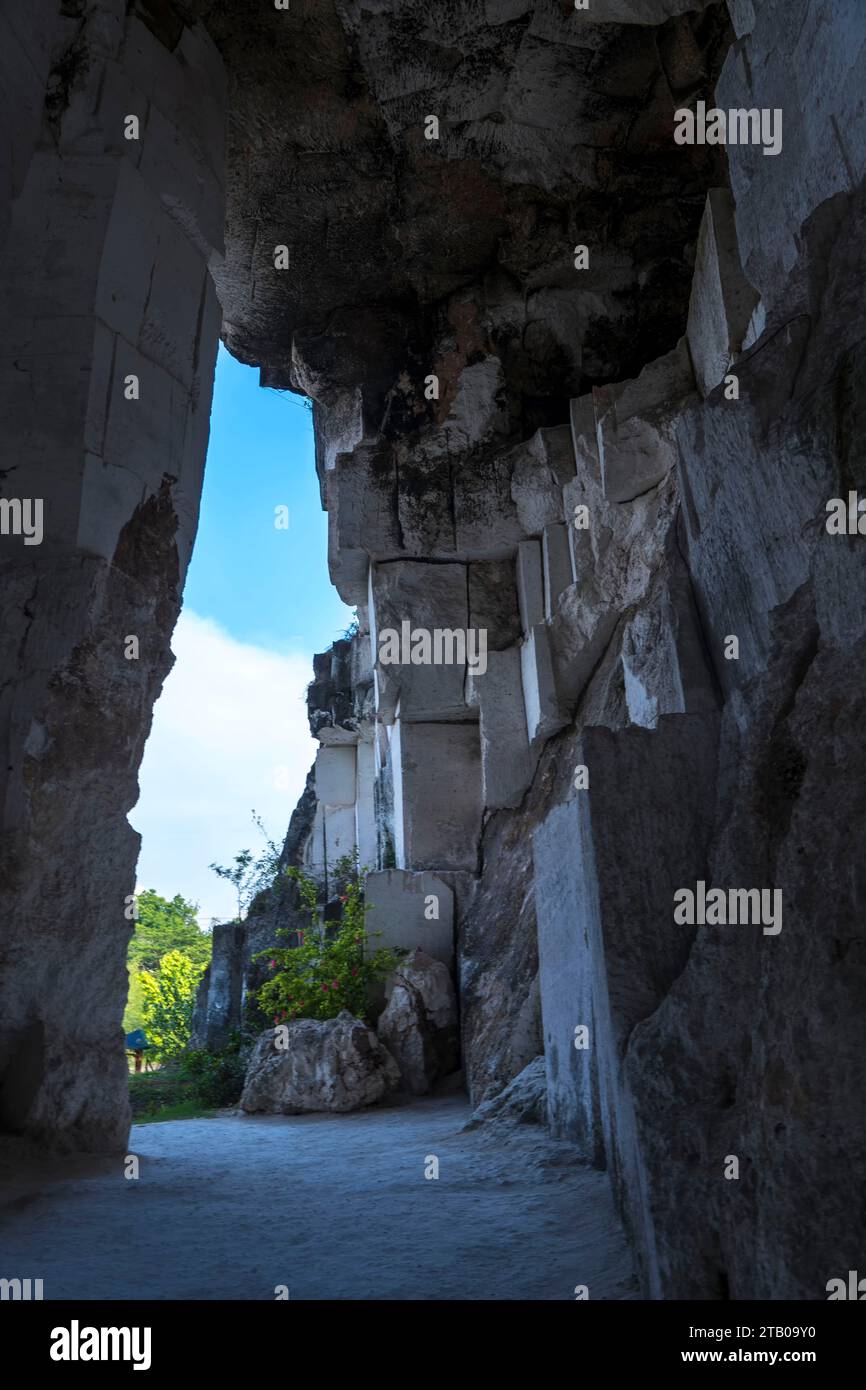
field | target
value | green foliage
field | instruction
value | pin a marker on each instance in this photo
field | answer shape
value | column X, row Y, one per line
column 334, row 966
column 194, row 1083
column 251, row 875
column 165, row 1094
column 164, row 926
column 169, row 998
column 133, row 1016
column 183, row 1110
column 218, row 1077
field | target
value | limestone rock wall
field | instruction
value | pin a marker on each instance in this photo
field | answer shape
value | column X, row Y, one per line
column 581, row 396
column 615, row 748
column 110, row 324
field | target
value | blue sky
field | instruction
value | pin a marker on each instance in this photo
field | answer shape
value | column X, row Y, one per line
column 229, row 731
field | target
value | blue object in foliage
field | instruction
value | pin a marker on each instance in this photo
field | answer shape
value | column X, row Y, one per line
column 137, row 1041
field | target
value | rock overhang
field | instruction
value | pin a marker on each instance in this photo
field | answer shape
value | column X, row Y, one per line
column 555, row 130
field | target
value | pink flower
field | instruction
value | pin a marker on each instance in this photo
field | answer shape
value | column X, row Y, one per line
column 324, row 987
column 273, row 965
column 354, row 969
column 335, row 984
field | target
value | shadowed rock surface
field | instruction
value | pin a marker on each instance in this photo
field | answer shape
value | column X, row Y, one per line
column 616, row 465
column 419, row 1023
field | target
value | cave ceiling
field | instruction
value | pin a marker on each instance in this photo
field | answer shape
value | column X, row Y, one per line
column 409, row 254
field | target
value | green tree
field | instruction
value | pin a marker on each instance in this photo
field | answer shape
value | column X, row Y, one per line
column 133, row 1017
column 169, row 998
column 164, row 926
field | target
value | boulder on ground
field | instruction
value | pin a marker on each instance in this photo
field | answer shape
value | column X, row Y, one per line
column 419, row 1025
column 336, row 1064
column 524, row 1099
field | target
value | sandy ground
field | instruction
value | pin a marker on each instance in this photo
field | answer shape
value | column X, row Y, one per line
column 334, row 1207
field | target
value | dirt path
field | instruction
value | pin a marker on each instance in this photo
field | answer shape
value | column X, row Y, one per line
column 334, row 1207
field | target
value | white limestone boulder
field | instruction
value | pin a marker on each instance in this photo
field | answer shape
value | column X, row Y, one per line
column 334, row 1065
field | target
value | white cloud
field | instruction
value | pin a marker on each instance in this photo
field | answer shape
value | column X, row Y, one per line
column 229, row 734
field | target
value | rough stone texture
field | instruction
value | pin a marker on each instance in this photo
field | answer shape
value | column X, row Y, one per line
column 105, row 254
column 338, row 106
column 218, row 999
column 636, row 426
column 503, row 320
column 609, row 951
column 814, row 71
column 771, row 1044
column 505, row 440
column 698, row 1088
column 419, row 1024
column 335, row 1065
column 522, row 1101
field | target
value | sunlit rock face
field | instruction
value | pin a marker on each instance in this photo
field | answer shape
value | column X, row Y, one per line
column 582, row 394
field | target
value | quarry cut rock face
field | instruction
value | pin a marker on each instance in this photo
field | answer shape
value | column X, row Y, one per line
column 587, row 372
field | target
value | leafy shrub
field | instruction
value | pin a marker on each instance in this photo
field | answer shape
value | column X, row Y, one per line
column 218, row 1077
column 193, row 1084
column 160, row 1093
column 334, row 966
